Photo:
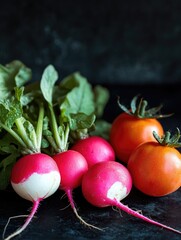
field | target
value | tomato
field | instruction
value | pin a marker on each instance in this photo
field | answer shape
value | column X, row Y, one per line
column 155, row 169
column 128, row 131
column 135, row 126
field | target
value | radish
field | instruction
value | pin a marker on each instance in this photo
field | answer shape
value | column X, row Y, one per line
column 95, row 149
column 107, row 183
column 72, row 166
column 34, row 177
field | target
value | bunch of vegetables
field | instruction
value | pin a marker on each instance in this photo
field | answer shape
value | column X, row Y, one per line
column 53, row 137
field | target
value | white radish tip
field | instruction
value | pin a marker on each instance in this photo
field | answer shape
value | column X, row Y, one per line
column 117, row 191
column 38, row 186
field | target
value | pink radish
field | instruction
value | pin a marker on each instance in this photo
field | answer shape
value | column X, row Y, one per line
column 107, row 183
column 72, row 166
column 95, row 149
column 34, row 177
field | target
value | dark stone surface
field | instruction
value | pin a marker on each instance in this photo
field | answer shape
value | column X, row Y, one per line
column 54, row 220
column 107, row 41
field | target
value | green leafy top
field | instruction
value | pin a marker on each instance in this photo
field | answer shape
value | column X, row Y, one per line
column 48, row 80
column 13, row 74
column 71, row 107
column 79, row 98
column 101, row 98
column 140, row 110
column 168, row 140
column 12, row 120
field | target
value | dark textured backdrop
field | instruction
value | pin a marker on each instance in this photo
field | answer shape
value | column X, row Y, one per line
column 107, row 41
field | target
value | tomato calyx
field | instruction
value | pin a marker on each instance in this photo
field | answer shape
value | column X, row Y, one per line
column 140, row 110
column 168, row 140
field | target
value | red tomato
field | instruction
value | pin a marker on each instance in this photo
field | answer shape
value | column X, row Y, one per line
column 128, row 131
column 155, row 169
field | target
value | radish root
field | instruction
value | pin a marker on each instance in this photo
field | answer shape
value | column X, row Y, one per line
column 140, row 216
column 69, row 195
column 23, row 227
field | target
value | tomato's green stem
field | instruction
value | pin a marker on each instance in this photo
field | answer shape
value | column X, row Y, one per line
column 141, row 111
column 143, row 106
column 166, row 138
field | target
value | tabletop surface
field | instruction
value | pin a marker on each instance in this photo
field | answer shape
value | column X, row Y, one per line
column 55, row 218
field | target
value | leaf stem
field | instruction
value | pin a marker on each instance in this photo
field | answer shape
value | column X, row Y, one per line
column 34, row 140
column 39, row 127
column 66, row 135
column 54, row 126
column 13, row 134
column 23, row 134
column 53, row 144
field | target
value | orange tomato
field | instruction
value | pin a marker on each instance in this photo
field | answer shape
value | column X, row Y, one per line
column 155, row 169
column 129, row 131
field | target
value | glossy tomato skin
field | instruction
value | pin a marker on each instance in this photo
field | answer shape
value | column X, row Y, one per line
column 155, row 169
column 128, row 131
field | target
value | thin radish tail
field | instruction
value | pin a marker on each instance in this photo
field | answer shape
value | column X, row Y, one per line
column 70, row 198
column 28, row 220
column 139, row 215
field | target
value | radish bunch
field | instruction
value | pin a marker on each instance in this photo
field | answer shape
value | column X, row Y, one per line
column 43, row 138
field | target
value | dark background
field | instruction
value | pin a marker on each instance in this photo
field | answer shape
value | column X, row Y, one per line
column 110, row 41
